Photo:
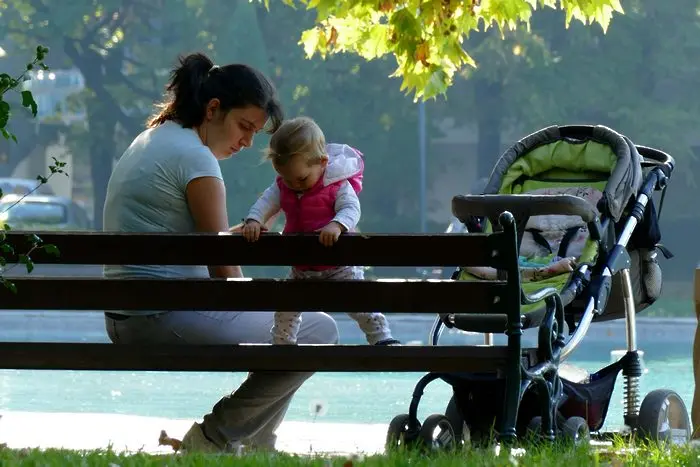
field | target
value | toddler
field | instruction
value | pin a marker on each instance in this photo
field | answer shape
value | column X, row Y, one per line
column 316, row 188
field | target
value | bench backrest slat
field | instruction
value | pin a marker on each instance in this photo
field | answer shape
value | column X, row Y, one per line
column 396, row 296
column 270, row 250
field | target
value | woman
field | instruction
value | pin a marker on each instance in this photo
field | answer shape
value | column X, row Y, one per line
column 169, row 180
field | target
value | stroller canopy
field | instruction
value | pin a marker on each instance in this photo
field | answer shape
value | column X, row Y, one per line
column 566, row 151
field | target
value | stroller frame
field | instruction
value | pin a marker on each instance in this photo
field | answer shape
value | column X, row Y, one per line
column 509, row 213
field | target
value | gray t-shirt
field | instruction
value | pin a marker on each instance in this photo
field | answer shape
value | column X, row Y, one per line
column 147, row 192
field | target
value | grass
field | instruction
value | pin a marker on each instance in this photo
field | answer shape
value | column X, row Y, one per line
column 542, row 456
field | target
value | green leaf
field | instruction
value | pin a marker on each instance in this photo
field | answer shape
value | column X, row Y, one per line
column 27, row 261
column 29, row 102
column 376, row 43
column 9, row 285
column 407, row 25
column 34, row 240
column 52, row 250
column 4, row 115
column 310, row 41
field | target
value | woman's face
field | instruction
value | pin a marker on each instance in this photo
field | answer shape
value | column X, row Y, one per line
column 227, row 133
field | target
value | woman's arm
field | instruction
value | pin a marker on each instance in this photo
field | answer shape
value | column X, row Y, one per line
column 206, row 198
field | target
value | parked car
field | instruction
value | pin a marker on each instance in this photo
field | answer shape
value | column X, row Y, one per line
column 23, row 186
column 43, row 212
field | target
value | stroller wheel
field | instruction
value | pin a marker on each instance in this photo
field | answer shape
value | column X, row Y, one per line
column 576, row 429
column 437, row 433
column 534, row 428
column 459, row 425
column 398, row 434
column 663, row 417
column 533, row 431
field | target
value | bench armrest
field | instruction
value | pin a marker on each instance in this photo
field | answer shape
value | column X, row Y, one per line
column 536, row 297
column 522, row 206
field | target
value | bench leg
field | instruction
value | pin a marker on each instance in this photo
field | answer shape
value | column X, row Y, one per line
column 511, row 402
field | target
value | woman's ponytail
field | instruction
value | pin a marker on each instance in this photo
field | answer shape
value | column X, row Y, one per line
column 184, row 103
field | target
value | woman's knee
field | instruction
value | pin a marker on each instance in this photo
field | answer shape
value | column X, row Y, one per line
column 317, row 328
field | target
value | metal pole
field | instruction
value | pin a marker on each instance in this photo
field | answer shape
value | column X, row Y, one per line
column 422, row 157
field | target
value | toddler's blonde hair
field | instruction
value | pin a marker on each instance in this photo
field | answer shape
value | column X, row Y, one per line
column 297, row 136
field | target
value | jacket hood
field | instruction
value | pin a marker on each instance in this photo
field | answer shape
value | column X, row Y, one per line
column 344, row 163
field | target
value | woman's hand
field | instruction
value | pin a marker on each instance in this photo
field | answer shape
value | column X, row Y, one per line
column 330, row 233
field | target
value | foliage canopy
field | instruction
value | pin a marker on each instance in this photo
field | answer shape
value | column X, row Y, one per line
column 426, row 37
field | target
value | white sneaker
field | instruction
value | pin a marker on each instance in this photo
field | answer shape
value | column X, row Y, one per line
column 195, row 441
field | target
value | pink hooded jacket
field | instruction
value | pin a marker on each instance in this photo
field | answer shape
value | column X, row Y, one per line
column 314, row 209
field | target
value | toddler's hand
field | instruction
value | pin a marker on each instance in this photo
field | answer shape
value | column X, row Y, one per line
column 252, row 229
column 330, row 233
column 238, row 228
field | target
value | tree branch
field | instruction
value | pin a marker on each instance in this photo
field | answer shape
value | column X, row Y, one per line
column 113, row 68
column 39, row 6
column 151, row 95
column 94, row 82
column 91, row 33
column 27, row 35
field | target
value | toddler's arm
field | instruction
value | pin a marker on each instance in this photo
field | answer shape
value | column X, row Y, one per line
column 347, row 207
column 267, row 205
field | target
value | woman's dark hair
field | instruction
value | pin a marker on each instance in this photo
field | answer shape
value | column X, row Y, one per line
column 197, row 80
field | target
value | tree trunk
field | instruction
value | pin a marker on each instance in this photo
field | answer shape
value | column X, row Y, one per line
column 102, row 125
column 489, row 120
column 103, row 113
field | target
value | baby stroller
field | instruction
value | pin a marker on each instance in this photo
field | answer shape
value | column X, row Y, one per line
column 601, row 260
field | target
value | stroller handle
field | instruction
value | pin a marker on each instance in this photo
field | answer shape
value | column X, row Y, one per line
column 658, row 158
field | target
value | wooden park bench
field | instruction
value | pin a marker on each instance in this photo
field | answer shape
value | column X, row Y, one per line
column 501, row 298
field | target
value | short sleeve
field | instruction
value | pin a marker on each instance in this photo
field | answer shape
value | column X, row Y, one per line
column 197, row 163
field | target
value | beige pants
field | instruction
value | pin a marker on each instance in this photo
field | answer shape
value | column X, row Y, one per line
column 696, row 360
column 252, row 413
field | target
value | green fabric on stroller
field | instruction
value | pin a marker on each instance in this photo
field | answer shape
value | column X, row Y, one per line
column 555, row 168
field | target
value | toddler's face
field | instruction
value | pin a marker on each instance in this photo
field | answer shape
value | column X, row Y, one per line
column 298, row 175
